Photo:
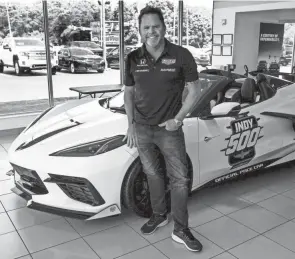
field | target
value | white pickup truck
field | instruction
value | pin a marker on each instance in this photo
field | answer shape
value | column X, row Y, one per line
column 25, row 54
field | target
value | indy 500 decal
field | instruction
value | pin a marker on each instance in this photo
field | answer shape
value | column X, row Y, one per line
column 241, row 144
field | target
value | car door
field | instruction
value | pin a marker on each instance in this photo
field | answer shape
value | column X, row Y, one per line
column 196, row 129
column 241, row 144
column 190, row 129
column 214, row 137
column 61, row 58
column 6, row 52
column 114, row 57
column 67, row 57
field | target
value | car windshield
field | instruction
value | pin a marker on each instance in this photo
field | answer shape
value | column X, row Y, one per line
column 81, row 52
column 207, row 81
column 28, row 42
column 88, row 44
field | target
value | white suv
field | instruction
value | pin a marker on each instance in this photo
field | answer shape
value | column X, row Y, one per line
column 24, row 54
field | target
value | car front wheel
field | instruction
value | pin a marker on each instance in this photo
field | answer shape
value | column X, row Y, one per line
column 73, row 70
column 1, row 67
column 18, row 70
column 135, row 190
column 53, row 71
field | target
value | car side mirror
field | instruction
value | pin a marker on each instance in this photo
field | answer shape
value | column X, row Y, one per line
column 226, row 109
column 6, row 46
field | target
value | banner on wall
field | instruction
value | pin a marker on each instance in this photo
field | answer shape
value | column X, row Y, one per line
column 270, row 42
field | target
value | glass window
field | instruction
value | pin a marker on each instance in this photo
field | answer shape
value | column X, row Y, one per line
column 23, row 79
column 197, row 30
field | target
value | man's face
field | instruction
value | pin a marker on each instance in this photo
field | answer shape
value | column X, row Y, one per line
column 152, row 30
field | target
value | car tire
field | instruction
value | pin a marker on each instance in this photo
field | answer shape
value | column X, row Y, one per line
column 1, row 67
column 135, row 189
column 72, row 68
column 53, row 71
column 100, row 71
column 18, row 70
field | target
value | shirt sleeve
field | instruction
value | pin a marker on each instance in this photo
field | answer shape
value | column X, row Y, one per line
column 128, row 77
column 190, row 69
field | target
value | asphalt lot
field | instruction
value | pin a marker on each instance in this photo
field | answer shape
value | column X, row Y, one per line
column 34, row 86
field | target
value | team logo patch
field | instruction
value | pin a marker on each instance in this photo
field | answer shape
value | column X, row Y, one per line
column 168, row 61
column 142, row 70
column 168, row 69
column 143, row 62
column 241, row 144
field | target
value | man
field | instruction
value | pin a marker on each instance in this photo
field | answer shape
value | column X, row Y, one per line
column 155, row 76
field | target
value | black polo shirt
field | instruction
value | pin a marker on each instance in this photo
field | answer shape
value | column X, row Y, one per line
column 159, row 84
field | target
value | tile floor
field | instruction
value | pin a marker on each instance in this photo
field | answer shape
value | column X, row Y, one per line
column 251, row 219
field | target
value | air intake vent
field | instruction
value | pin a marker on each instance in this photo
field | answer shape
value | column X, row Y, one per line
column 77, row 188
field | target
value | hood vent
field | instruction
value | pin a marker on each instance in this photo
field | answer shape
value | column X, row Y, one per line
column 41, row 138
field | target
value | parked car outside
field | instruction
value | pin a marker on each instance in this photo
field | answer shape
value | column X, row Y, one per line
column 95, row 48
column 113, row 56
column 80, row 59
column 25, row 54
column 201, row 55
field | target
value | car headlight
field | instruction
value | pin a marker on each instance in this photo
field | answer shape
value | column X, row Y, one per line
column 92, row 148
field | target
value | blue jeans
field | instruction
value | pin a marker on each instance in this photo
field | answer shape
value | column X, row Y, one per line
column 151, row 142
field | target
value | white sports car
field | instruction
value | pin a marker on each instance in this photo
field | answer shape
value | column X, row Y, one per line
column 71, row 160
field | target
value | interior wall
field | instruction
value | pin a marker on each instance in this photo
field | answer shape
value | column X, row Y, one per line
column 226, row 4
column 218, row 28
column 268, row 11
column 247, row 31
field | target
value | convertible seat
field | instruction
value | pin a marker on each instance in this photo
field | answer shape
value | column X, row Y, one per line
column 266, row 91
column 248, row 92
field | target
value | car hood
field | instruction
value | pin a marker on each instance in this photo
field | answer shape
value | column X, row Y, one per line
column 71, row 124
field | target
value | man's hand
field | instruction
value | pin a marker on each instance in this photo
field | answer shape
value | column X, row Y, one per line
column 169, row 125
column 130, row 137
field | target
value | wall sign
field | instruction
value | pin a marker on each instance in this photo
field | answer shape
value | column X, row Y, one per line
column 227, row 50
column 227, row 39
column 216, row 50
column 270, row 42
column 217, row 39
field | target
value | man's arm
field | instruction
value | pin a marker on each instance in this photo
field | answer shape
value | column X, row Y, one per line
column 194, row 92
column 193, row 85
column 129, row 103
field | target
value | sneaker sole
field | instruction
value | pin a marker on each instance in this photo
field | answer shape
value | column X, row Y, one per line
column 164, row 223
column 179, row 240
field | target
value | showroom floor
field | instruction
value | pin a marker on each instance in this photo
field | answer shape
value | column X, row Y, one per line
column 247, row 219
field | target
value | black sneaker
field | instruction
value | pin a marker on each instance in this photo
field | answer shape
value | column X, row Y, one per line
column 186, row 237
column 154, row 222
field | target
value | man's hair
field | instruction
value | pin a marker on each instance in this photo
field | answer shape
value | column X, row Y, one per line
column 151, row 10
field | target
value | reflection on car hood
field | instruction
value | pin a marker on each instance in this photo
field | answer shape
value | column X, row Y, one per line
column 31, row 48
column 71, row 124
column 95, row 57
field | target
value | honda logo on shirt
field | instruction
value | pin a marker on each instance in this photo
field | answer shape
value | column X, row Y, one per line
column 142, row 62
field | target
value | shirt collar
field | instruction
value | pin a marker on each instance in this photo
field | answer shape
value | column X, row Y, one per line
column 143, row 50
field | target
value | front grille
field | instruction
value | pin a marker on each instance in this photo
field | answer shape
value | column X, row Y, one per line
column 30, row 180
column 77, row 188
